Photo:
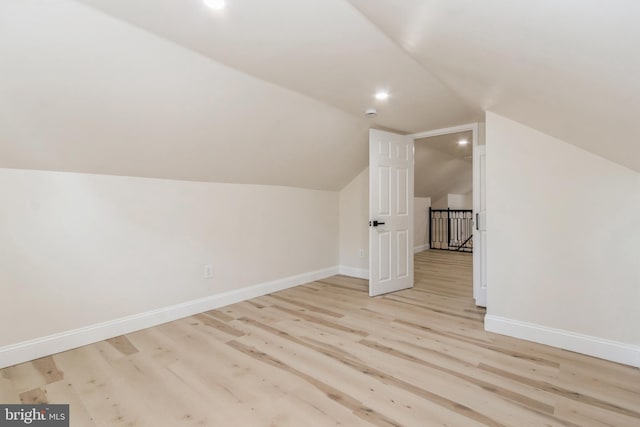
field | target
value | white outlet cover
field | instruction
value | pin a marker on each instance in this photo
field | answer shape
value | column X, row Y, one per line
column 208, row 271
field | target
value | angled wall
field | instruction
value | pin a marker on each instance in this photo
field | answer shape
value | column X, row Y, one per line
column 81, row 91
column 86, row 257
column 562, row 247
column 354, row 229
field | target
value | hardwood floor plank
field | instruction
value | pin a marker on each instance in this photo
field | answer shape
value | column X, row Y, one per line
column 356, row 407
column 566, row 393
column 320, row 321
column 484, row 345
column 8, row 393
column 219, row 325
column 220, row 315
column 123, row 345
column 587, row 415
column 324, row 353
column 301, row 354
column 105, row 395
column 309, row 307
column 33, row 397
column 24, row 377
column 64, row 392
column 355, row 364
column 497, row 390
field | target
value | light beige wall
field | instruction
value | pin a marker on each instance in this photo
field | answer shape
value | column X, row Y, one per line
column 79, row 249
column 459, row 201
column 482, row 133
column 354, row 228
column 421, row 223
column 454, row 201
column 562, row 239
column 440, row 202
column 468, row 200
column 96, row 94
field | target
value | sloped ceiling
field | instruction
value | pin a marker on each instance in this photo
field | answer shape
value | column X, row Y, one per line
column 81, row 91
column 274, row 92
column 567, row 68
column 325, row 49
column 442, row 166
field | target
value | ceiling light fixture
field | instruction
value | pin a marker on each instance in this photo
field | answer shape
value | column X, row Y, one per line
column 215, row 4
column 381, row 96
column 463, row 142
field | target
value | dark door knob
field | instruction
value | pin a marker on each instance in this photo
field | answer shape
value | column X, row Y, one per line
column 375, row 223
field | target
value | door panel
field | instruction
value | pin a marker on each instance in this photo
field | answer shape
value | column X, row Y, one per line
column 391, row 205
column 403, row 197
column 403, row 256
column 384, row 255
column 384, row 191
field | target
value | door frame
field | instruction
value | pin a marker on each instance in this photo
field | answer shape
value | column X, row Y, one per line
column 474, row 128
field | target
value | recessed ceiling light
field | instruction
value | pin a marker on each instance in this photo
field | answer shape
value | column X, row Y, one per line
column 463, row 142
column 215, row 4
column 381, row 96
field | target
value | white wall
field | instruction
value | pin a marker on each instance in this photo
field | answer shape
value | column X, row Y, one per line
column 421, row 223
column 454, row 201
column 440, row 202
column 460, row 201
column 562, row 247
column 354, row 228
column 468, row 200
column 80, row 249
column 152, row 108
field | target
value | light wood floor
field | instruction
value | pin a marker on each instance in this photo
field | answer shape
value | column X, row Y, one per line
column 326, row 354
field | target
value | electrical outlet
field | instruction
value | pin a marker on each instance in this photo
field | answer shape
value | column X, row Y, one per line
column 361, row 253
column 208, row 271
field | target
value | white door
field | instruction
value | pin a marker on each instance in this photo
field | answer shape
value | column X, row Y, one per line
column 480, row 229
column 390, row 212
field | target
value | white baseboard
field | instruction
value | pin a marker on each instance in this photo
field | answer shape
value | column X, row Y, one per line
column 615, row 351
column 420, row 248
column 360, row 273
column 51, row 344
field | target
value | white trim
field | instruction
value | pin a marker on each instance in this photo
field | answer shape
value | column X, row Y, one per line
column 360, row 273
column 479, row 292
column 615, row 351
column 444, row 131
column 51, row 344
column 420, row 248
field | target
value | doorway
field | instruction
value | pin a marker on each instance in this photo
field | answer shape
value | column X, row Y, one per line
column 457, row 148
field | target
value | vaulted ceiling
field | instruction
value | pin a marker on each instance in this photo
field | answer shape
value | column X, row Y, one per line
column 567, row 68
column 274, row 92
column 442, row 166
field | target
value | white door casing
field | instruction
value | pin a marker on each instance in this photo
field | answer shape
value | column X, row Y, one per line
column 390, row 203
column 480, row 229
